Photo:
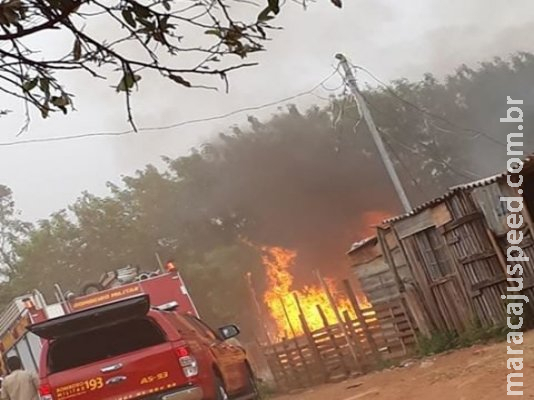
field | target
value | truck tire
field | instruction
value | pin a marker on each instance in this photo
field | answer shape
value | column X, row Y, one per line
column 220, row 390
column 252, row 388
column 92, row 287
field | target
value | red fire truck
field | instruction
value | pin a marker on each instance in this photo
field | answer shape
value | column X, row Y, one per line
column 165, row 288
column 138, row 340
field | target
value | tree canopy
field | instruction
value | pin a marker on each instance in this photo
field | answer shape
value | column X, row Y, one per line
column 12, row 232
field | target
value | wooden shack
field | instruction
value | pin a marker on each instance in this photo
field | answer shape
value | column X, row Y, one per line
column 375, row 278
column 486, row 196
column 455, row 248
column 383, row 284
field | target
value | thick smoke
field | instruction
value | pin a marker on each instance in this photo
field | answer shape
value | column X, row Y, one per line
column 302, row 184
column 315, row 186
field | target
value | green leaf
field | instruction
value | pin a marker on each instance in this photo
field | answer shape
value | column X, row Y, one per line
column 215, row 32
column 29, row 85
column 141, row 11
column 274, row 5
column 77, row 50
column 264, row 15
column 60, row 101
column 127, row 82
column 10, row 15
column 262, row 32
column 55, row 3
column 44, row 111
column 121, row 87
column 148, row 24
column 128, row 17
column 163, row 23
column 44, row 84
column 167, row 5
column 180, row 80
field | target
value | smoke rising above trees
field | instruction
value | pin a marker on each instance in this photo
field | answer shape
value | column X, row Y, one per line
column 309, row 180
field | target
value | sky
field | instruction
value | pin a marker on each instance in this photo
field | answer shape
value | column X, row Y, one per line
column 391, row 38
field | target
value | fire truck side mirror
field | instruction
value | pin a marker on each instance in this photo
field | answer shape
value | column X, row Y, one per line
column 229, row 332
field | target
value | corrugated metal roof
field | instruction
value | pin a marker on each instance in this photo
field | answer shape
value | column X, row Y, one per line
column 417, row 209
column 528, row 161
column 481, row 182
column 358, row 245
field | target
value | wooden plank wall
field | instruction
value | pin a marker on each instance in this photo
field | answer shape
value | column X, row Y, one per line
column 528, row 270
column 385, row 333
column 480, row 268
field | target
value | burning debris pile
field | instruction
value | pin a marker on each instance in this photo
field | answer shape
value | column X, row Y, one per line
column 285, row 304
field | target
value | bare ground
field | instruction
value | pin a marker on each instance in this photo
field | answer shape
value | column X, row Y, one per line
column 476, row 373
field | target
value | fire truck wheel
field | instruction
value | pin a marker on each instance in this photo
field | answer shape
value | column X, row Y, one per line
column 220, row 391
column 252, row 388
column 91, row 288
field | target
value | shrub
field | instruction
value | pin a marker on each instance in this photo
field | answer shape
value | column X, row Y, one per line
column 476, row 332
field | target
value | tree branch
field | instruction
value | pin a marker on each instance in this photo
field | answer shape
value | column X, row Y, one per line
column 47, row 25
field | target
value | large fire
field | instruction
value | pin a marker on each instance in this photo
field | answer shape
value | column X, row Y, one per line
column 280, row 298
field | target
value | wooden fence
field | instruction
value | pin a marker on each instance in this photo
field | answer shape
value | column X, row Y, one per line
column 375, row 336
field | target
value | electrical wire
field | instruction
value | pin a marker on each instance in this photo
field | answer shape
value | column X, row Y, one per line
column 170, row 126
column 457, row 171
column 463, row 173
column 390, row 148
column 414, row 106
column 407, row 170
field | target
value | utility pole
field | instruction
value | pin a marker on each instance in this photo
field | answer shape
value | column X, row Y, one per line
column 366, row 114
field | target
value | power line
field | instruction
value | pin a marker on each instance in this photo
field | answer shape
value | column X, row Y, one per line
column 406, row 169
column 335, row 89
column 390, row 147
column 426, row 112
column 434, row 157
column 171, row 126
column 365, row 113
column 457, row 171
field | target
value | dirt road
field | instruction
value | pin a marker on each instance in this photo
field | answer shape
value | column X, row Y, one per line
column 477, row 373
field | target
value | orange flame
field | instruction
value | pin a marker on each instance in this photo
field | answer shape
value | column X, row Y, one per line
column 281, row 299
